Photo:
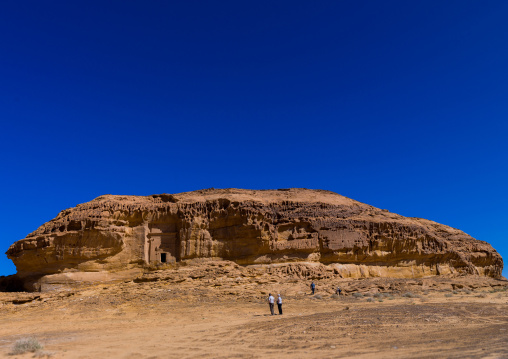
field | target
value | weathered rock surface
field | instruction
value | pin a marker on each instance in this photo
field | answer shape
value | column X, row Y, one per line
column 114, row 237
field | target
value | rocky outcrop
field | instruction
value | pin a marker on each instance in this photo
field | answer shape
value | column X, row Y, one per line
column 114, row 237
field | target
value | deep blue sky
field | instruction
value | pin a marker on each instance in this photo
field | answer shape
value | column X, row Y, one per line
column 399, row 104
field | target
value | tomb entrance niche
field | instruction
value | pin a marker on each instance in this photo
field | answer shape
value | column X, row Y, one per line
column 163, row 243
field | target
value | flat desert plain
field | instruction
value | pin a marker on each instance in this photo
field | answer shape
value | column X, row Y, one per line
column 170, row 314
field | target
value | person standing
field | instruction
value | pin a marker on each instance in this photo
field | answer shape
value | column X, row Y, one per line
column 279, row 304
column 338, row 291
column 271, row 302
column 312, row 287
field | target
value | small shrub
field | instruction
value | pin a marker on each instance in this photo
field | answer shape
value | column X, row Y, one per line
column 358, row 295
column 370, row 300
column 455, row 292
column 391, row 298
column 334, row 296
column 483, row 295
column 318, row 296
column 378, row 295
column 26, row 345
column 448, row 295
column 43, row 354
column 467, row 291
column 408, row 295
column 380, row 300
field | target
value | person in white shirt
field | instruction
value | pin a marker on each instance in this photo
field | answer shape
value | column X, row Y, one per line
column 271, row 302
column 279, row 304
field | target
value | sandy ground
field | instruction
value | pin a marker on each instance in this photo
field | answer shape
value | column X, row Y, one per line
column 165, row 319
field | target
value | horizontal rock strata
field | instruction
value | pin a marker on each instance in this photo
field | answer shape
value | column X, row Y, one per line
column 114, row 237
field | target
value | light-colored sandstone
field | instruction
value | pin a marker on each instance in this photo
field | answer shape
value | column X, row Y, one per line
column 115, row 237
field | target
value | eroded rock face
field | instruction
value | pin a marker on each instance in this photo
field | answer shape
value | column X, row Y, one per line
column 117, row 235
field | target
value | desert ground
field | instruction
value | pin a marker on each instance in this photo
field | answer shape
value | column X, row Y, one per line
column 219, row 310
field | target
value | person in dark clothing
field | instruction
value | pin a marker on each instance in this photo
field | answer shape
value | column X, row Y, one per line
column 279, row 304
column 312, row 287
column 338, row 291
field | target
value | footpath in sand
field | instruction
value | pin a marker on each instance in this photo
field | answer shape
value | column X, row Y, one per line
column 220, row 311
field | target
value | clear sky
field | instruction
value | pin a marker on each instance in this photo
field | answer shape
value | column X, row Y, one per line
column 399, row 104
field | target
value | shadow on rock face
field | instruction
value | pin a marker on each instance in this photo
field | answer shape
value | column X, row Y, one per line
column 11, row 283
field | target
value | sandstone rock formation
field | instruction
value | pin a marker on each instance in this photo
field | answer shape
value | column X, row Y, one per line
column 114, row 237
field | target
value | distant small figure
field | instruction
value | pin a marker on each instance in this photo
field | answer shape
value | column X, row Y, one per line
column 312, row 287
column 338, row 291
column 279, row 304
column 271, row 302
